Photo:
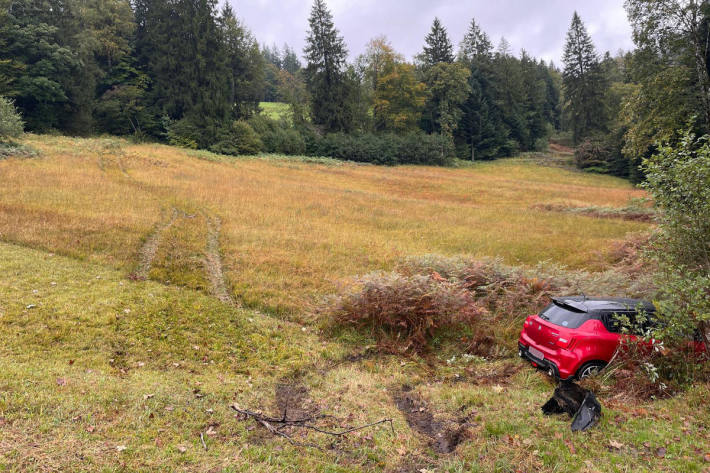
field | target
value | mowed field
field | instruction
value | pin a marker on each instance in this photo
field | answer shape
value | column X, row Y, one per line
column 146, row 289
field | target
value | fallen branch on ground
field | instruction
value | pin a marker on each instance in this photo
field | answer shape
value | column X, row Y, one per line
column 275, row 425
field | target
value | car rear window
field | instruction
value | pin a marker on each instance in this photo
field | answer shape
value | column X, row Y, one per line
column 563, row 317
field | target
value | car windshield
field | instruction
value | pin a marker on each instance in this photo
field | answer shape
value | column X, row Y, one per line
column 563, row 317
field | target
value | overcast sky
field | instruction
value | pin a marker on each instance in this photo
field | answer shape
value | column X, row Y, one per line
column 538, row 26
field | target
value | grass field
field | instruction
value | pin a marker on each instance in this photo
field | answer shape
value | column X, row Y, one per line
column 147, row 288
column 275, row 110
column 289, row 229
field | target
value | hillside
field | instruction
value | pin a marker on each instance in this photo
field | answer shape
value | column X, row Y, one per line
column 147, row 288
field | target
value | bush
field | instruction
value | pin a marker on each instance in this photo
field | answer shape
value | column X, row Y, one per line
column 592, row 155
column 603, row 154
column 388, row 149
column 11, row 125
column 183, row 133
column 403, row 312
column 278, row 136
column 679, row 180
column 237, row 139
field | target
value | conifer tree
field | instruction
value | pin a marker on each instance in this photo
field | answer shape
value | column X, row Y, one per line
column 437, row 47
column 476, row 44
column 289, row 61
column 245, row 65
column 481, row 133
column 326, row 53
column 180, row 46
column 584, row 83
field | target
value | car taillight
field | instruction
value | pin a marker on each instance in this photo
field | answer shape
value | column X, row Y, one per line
column 564, row 342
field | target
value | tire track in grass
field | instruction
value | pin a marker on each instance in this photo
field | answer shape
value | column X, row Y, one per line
column 146, row 254
column 213, row 262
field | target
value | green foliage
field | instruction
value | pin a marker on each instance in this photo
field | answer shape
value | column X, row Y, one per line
column 678, row 177
column 188, row 77
column 448, row 88
column 388, row 149
column 602, row 153
column 278, row 136
column 437, row 47
column 584, row 82
column 397, row 95
column 325, row 72
column 37, row 64
column 11, row 125
column 245, row 65
column 238, row 139
column 183, row 133
column 674, row 34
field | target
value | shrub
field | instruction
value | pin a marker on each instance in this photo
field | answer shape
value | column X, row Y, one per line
column 603, row 154
column 183, row 133
column 661, row 371
column 278, row 136
column 284, row 141
column 388, row 149
column 402, row 312
column 237, row 139
column 11, row 125
column 592, row 155
column 679, row 180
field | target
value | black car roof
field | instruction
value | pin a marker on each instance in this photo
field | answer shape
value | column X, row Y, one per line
column 605, row 304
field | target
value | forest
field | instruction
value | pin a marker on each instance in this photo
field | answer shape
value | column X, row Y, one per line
column 192, row 74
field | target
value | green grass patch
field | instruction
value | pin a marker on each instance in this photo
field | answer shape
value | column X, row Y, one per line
column 275, row 110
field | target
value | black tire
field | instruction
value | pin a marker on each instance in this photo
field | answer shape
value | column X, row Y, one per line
column 590, row 369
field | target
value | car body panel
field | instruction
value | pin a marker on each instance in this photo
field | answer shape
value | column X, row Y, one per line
column 565, row 350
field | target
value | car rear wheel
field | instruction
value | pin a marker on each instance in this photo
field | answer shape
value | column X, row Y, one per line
column 590, row 369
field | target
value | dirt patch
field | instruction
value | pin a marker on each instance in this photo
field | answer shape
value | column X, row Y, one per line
column 146, row 254
column 213, row 262
column 558, row 148
column 292, row 400
column 631, row 214
column 444, row 434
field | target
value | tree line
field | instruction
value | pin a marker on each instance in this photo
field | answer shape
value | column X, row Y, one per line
column 620, row 109
column 192, row 74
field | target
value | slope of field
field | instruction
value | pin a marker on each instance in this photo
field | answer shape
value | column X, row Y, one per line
column 124, row 337
column 290, row 229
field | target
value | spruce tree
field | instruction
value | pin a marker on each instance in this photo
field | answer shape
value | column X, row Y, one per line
column 476, row 44
column 245, row 65
column 481, row 133
column 290, row 62
column 180, row 46
column 438, row 47
column 325, row 54
column 584, row 83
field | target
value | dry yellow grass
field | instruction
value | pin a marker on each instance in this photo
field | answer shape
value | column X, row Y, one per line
column 291, row 229
column 106, row 374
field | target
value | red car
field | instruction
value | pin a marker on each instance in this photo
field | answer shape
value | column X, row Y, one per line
column 575, row 337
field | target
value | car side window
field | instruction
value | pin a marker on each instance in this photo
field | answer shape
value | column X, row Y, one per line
column 615, row 322
column 611, row 323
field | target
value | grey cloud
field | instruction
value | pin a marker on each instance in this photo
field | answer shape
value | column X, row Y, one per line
column 538, row 26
